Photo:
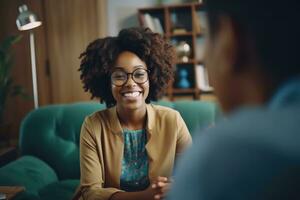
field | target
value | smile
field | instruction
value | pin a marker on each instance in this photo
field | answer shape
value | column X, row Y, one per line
column 131, row 94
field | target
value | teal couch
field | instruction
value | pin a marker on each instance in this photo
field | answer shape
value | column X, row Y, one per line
column 49, row 144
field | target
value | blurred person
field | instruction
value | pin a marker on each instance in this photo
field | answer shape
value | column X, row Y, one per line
column 128, row 150
column 252, row 56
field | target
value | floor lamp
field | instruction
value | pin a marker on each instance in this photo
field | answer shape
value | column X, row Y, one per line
column 27, row 20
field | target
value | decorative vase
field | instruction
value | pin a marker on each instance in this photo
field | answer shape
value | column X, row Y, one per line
column 183, row 51
column 183, row 79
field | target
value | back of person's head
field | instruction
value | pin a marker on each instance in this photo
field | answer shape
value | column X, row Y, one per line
column 272, row 26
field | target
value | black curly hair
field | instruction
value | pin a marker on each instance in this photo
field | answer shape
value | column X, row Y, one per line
column 98, row 60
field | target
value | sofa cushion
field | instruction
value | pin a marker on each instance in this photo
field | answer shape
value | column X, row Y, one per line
column 56, row 130
column 27, row 196
column 59, row 190
column 169, row 104
column 27, row 171
column 197, row 115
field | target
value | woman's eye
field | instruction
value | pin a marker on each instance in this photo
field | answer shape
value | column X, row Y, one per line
column 139, row 75
column 119, row 77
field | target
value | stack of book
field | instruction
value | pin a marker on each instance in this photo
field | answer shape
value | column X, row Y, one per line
column 202, row 79
column 152, row 22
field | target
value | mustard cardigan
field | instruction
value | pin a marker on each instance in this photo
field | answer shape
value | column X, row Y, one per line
column 101, row 149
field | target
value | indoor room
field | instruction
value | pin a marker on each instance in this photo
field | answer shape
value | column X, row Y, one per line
column 125, row 99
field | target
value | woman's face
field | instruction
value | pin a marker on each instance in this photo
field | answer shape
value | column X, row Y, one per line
column 130, row 90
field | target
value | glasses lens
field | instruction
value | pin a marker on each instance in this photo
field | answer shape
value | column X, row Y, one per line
column 118, row 77
column 140, row 75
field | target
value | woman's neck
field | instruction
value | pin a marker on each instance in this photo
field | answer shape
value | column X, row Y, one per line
column 132, row 119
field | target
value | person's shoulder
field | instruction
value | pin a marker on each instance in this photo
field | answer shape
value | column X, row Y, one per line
column 163, row 114
column 163, row 110
column 256, row 127
column 248, row 145
column 257, row 120
column 98, row 115
column 98, row 120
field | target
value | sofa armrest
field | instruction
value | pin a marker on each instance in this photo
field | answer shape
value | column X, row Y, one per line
column 27, row 171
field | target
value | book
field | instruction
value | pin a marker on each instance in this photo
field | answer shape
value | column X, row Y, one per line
column 202, row 79
column 179, row 31
column 157, row 26
column 149, row 22
column 200, row 49
column 197, row 23
column 201, row 16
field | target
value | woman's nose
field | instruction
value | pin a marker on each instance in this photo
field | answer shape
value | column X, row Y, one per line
column 130, row 80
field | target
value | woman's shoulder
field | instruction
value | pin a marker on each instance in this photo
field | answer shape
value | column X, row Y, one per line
column 160, row 110
column 101, row 115
column 99, row 122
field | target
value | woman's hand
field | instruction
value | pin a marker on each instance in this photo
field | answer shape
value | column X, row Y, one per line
column 157, row 190
column 161, row 187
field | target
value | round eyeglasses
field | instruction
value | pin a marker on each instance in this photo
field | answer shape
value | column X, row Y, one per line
column 120, row 77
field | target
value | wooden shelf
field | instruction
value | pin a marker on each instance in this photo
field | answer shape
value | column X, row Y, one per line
column 189, row 91
column 149, row 9
column 186, row 17
column 183, row 5
column 190, row 61
column 200, row 62
column 183, row 91
column 199, row 6
column 205, row 92
column 180, row 34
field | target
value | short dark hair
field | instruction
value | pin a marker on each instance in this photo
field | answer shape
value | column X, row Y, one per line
column 99, row 58
column 273, row 27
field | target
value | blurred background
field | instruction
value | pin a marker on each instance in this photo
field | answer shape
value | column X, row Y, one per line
column 68, row 26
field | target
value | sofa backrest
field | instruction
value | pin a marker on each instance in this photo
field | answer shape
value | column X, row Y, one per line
column 51, row 133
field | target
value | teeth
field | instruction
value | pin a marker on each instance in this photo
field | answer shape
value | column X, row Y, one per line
column 131, row 94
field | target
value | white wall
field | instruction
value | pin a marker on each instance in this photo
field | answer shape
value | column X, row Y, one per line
column 123, row 14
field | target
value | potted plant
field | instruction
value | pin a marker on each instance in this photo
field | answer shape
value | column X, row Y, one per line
column 7, row 86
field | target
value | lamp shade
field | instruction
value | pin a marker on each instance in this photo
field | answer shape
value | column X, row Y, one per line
column 27, row 20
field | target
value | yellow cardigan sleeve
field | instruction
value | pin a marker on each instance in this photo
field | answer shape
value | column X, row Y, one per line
column 91, row 179
column 184, row 138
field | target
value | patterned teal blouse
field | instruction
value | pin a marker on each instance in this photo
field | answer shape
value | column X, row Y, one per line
column 134, row 175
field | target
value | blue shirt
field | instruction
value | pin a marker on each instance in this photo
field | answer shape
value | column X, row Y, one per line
column 135, row 165
column 254, row 154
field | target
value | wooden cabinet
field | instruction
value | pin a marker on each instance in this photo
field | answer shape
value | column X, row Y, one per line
column 183, row 25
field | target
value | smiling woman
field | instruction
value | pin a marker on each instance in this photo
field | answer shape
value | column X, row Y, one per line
column 128, row 150
column 130, row 93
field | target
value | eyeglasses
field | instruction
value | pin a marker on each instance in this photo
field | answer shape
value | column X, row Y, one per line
column 120, row 77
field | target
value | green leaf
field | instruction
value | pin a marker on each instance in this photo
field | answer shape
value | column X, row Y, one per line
column 6, row 56
column 7, row 86
column 19, row 90
column 8, row 63
column 9, row 41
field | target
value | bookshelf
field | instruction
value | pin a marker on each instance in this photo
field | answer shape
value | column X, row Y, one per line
column 183, row 25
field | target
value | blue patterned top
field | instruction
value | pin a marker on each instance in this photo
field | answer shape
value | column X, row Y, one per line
column 134, row 175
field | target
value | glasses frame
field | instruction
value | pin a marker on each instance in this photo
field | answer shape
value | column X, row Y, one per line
column 131, row 74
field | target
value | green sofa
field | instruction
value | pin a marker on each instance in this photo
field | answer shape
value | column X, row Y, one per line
column 49, row 145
